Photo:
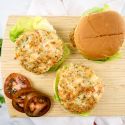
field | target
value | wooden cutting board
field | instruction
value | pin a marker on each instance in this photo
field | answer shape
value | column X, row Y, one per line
column 112, row 72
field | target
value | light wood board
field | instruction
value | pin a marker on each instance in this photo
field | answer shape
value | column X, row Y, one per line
column 112, row 102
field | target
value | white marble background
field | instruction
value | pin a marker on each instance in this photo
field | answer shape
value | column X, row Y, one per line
column 52, row 8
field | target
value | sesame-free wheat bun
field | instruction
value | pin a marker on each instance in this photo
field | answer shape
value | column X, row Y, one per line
column 100, row 35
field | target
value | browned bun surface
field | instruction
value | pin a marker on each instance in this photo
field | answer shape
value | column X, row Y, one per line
column 100, row 35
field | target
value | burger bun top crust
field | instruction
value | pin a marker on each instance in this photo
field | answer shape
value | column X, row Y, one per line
column 100, row 35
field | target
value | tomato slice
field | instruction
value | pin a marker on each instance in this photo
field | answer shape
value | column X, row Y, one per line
column 13, row 83
column 36, row 104
column 19, row 98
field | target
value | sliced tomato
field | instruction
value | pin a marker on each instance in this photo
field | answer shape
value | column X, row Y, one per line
column 14, row 82
column 19, row 98
column 36, row 104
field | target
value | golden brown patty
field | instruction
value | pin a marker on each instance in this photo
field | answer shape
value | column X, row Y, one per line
column 100, row 35
column 79, row 88
column 39, row 50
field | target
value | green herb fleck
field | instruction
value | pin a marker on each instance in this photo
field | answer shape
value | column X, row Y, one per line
column 0, row 45
column 2, row 100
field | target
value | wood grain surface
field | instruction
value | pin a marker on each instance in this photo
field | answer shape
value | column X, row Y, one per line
column 112, row 102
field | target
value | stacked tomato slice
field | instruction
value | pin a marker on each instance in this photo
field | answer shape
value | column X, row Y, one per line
column 24, row 98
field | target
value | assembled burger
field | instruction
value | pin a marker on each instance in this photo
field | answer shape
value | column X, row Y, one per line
column 100, row 35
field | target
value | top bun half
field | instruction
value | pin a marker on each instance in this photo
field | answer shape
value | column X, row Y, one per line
column 100, row 35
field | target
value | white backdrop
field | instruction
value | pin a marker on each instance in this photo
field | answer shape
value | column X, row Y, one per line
column 51, row 8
